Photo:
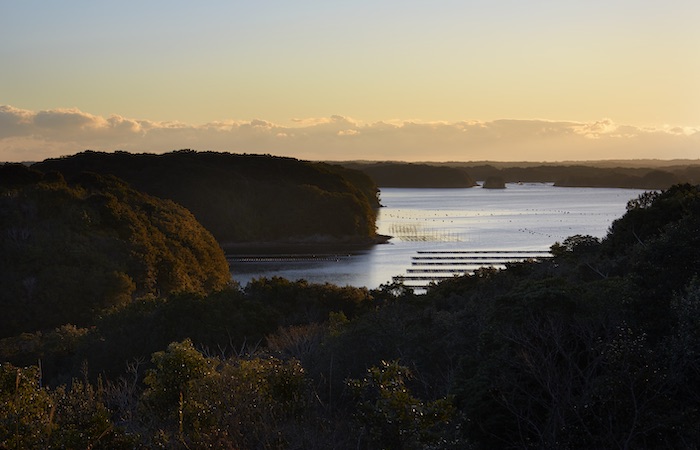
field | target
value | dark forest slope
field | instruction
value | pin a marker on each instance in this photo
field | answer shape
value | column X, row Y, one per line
column 71, row 251
column 246, row 198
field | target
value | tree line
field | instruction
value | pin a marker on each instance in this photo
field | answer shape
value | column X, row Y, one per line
column 463, row 174
column 410, row 175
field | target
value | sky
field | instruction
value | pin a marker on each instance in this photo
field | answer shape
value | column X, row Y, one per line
column 438, row 80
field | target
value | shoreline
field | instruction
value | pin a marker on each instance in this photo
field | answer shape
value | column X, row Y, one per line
column 316, row 244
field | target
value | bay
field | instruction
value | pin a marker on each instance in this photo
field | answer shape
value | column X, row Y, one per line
column 440, row 232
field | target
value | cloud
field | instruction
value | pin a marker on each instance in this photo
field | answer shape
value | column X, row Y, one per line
column 14, row 121
column 29, row 135
column 65, row 119
column 123, row 125
column 261, row 124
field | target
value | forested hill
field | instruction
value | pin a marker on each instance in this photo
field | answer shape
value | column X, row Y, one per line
column 71, row 251
column 246, row 198
column 580, row 174
column 588, row 176
column 408, row 175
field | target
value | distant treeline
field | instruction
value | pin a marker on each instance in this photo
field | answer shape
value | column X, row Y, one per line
column 585, row 176
column 415, row 175
column 595, row 174
column 245, row 198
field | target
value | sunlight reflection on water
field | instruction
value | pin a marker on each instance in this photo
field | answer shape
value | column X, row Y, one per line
column 522, row 217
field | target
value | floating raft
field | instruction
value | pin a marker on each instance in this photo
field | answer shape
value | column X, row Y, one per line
column 452, row 263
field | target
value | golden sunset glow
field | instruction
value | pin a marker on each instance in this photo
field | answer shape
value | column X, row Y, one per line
column 372, row 80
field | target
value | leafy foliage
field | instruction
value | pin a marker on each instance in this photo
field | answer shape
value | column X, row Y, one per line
column 26, row 415
column 34, row 417
column 247, row 402
column 174, row 369
column 395, row 418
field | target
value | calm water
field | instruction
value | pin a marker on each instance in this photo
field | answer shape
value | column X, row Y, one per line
column 438, row 232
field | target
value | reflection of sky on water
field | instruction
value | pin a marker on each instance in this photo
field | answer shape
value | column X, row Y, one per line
column 341, row 269
column 369, row 268
column 521, row 217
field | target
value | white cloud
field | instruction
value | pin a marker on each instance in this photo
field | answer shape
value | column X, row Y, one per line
column 14, row 121
column 65, row 119
column 28, row 135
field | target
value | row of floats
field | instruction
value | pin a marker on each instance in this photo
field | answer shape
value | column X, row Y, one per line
column 433, row 266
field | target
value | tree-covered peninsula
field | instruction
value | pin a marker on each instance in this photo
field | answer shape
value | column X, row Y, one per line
column 247, row 199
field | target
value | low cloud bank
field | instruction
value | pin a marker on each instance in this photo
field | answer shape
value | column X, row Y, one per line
column 31, row 136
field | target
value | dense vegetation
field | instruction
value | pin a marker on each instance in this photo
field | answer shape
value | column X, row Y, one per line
column 73, row 251
column 597, row 347
column 408, row 175
column 246, row 198
column 590, row 174
column 584, row 175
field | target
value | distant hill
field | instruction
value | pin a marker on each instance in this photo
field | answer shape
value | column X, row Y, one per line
column 582, row 176
column 408, row 175
column 622, row 174
column 246, row 198
column 71, row 251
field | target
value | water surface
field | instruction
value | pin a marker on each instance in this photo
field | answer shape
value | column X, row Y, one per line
column 452, row 224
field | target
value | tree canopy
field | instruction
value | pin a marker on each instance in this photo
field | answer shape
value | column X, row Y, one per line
column 245, row 198
column 71, row 251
